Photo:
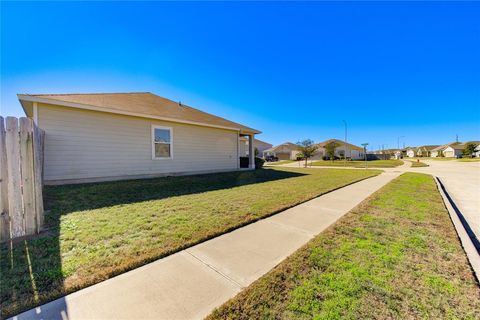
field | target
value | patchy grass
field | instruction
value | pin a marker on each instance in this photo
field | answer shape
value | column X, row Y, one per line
column 359, row 163
column 469, row 159
column 395, row 256
column 417, row 164
column 96, row 231
column 278, row 163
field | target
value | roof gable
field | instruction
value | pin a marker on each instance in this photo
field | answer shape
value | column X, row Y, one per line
column 340, row 143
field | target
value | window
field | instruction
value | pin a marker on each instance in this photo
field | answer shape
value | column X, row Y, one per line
column 161, row 142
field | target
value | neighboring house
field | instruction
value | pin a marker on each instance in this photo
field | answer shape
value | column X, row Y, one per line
column 422, row 151
column 386, row 154
column 257, row 144
column 437, row 152
column 453, row 150
column 351, row 151
column 284, row 151
column 477, row 143
column 397, row 154
column 113, row 136
column 477, row 151
column 261, row 146
column 425, row 151
column 411, row 152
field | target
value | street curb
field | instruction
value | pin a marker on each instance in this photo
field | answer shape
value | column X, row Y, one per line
column 469, row 241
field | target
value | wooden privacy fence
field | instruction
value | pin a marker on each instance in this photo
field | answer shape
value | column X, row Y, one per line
column 21, row 163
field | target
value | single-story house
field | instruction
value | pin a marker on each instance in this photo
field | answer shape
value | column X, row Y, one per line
column 425, row 151
column 438, row 151
column 350, row 150
column 261, row 146
column 114, row 136
column 422, row 151
column 284, row 151
column 477, row 151
column 453, row 150
column 257, row 145
column 411, row 152
column 386, row 154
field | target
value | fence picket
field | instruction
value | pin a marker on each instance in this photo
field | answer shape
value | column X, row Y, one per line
column 26, row 161
column 38, row 141
column 15, row 206
column 4, row 217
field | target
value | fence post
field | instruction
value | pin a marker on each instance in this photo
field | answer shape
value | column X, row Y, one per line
column 4, row 218
column 26, row 164
column 15, row 206
column 38, row 140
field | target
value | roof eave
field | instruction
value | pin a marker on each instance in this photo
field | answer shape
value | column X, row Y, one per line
column 29, row 98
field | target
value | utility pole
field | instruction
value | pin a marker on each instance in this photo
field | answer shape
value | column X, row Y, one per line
column 345, row 155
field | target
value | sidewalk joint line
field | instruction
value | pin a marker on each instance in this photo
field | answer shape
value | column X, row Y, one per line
column 216, row 270
column 291, row 228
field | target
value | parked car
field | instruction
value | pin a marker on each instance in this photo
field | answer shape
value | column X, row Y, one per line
column 328, row 158
column 271, row 159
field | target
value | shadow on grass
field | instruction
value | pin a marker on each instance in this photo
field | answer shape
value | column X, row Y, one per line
column 70, row 198
column 31, row 269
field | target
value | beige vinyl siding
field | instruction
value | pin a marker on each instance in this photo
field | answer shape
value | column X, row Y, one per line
column 83, row 144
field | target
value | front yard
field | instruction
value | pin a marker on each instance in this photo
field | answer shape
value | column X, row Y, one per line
column 396, row 256
column 96, row 231
column 359, row 163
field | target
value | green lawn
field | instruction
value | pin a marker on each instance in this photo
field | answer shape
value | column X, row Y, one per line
column 359, row 163
column 96, row 231
column 396, row 256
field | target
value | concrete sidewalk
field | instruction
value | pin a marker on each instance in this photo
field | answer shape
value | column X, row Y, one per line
column 191, row 283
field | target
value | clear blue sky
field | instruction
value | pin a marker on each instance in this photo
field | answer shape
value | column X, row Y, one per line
column 292, row 70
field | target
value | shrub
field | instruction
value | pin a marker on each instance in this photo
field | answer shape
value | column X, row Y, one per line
column 245, row 160
column 259, row 162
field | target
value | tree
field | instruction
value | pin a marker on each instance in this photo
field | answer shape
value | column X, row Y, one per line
column 307, row 149
column 256, row 152
column 330, row 149
column 470, row 149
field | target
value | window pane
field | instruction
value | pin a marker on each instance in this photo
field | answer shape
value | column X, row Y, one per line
column 162, row 135
column 162, row 150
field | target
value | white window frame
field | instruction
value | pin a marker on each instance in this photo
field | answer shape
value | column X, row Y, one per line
column 152, row 137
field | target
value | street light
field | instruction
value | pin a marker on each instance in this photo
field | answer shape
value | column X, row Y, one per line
column 345, row 155
column 365, row 153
